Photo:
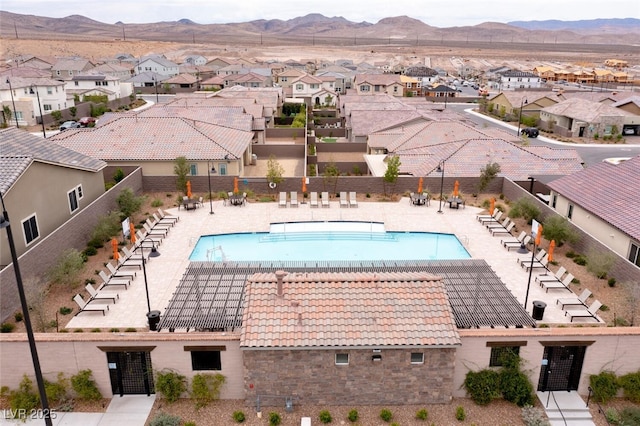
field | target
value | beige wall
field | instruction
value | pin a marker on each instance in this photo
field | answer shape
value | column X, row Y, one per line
column 42, row 189
column 70, row 353
column 158, row 168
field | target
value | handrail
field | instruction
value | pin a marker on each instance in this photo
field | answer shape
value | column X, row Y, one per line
column 558, row 406
column 600, row 410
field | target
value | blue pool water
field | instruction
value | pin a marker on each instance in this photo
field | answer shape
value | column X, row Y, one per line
column 337, row 243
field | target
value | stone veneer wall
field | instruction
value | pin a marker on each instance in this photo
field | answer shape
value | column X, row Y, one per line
column 312, row 377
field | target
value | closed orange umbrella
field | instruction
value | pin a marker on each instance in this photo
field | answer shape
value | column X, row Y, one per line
column 132, row 232
column 539, row 235
column 114, row 245
column 420, row 186
column 492, row 206
column 552, row 247
column 456, row 186
column 189, row 189
column 304, row 185
column 235, row 185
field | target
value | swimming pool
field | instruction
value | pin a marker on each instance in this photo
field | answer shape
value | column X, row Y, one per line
column 328, row 241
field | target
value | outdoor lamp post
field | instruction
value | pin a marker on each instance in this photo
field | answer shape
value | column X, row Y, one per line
column 4, row 223
column 44, row 135
column 13, row 102
column 522, row 103
column 154, row 253
column 155, row 84
column 440, row 169
column 210, row 169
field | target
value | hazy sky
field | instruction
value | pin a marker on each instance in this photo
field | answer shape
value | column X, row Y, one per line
column 442, row 13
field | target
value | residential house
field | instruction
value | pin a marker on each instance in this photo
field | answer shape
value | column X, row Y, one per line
column 338, row 81
column 233, row 69
column 616, row 63
column 510, row 80
column 531, row 102
column 113, row 70
column 546, row 73
column 285, row 78
column 31, row 61
column 33, row 97
column 439, row 91
column 412, row 86
column 147, row 79
column 98, row 85
column 213, row 83
column 195, row 60
column 608, row 210
column 157, row 65
column 43, row 186
column 219, row 62
column 630, row 104
column 249, row 79
column 426, row 74
column 313, row 89
column 181, row 81
column 372, row 84
column 65, row 69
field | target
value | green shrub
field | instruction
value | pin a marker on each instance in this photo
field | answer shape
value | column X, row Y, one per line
column 570, row 254
column 274, row 419
column 386, row 415
column 57, row 391
column 128, row 202
column 630, row 416
column 157, row 203
column 67, row 269
column 164, row 419
column 118, row 175
column 630, row 384
column 580, row 260
column 18, row 316
column 533, row 416
column 604, row 385
column 611, row 282
column 238, row 416
column 460, row 414
column 90, row 251
column 108, row 226
column 353, row 416
column 558, row 228
column 65, row 310
column 422, row 414
column 84, row 386
column 516, row 387
column 482, row 386
column 24, row 399
column 325, row 416
column 7, row 327
column 612, row 416
column 206, row 388
column 600, row 263
column 170, row 384
column 524, row 208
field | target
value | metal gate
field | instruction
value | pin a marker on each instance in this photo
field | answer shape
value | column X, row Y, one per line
column 561, row 368
column 130, row 373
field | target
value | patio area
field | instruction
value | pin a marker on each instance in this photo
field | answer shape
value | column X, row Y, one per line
column 164, row 273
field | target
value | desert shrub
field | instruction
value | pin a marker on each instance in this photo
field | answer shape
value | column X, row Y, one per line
column 24, row 399
column 67, row 269
column 128, row 202
column 386, row 415
column 533, row 416
column 571, row 254
column 57, row 391
column 611, row 282
column 460, row 414
column 630, row 416
column 170, row 384
column 190, row 424
column 580, row 260
column 90, row 251
column 604, row 385
column 599, row 263
column 524, row 208
column 422, row 414
column 64, row 310
column 84, row 386
column 108, row 226
column 164, row 419
column 18, row 316
column 325, row 416
column 118, row 175
column 630, row 384
column 274, row 419
column 558, row 228
column 516, row 387
column 157, row 203
column 238, row 416
column 482, row 386
column 353, row 415
column 612, row 416
column 206, row 388
column 7, row 327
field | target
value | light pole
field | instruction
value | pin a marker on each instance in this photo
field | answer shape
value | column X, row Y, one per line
column 522, row 103
column 535, row 226
column 44, row 135
column 440, row 169
column 4, row 223
column 155, row 84
column 154, row 253
column 13, row 102
column 210, row 169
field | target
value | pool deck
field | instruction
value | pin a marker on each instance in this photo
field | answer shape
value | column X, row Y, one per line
column 164, row 272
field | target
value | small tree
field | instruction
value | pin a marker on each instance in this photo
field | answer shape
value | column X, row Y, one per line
column 128, row 202
column 118, row 175
column 487, row 174
column 67, row 270
column 73, row 110
column 558, row 228
column 524, row 208
column 57, row 115
column 391, row 174
column 181, row 170
column 274, row 171
column 331, row 174
column 7, row 115
column 599, row 263
column 36, row 292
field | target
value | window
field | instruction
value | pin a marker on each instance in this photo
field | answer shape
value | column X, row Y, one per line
column 58, row 72
column 77, row 83
column 283, row 79
column 570, row 212
column 499, row 352
column 417, row 358
column 222, row 168
column 18, row 115
column 342, row 359
column 205, row 360
column 634, row 254
column 73, row 200
column 193, row 169
column 554, row 200
column 365, row 88
column 299, row 86
column 30, row 229
column 49, row 90
column 79, row 191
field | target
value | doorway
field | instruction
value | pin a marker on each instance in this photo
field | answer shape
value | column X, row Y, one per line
column 561, row 368
column 581, row 132
column 130, row 373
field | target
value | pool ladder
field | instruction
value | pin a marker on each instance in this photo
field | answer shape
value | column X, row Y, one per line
column 463, row 239
column 211, row 254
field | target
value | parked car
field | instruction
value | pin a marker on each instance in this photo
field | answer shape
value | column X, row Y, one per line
column 531, row 132
column 87, row 121
column 69, row 125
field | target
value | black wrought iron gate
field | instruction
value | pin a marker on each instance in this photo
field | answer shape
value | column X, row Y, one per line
column 561, row 368
column 130, row 373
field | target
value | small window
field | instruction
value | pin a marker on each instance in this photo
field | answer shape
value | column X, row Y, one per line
column 417, row 358
column 554, row 200
column 193, row 169
column 49, row 90
column 73, row 200
column 77, row 83
column 205, row 360
column 570, row 212
column 79, row 191
column 57, row 72
column 342, row 359
column 47, row 107
column 299, row 87
column 30, row 228
column 634, row 254
column 222, row 168
column 365, row 88
column 498, row 354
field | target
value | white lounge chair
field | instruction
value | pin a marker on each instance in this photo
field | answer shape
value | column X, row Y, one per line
column 503, row 230
column 85, row 307
column 95, row 295
column 147, row 240
column 313, row 199
column 487, row 216
column 158, row 226
column 343, row 199
column 164, row 221
column 353, row 201
column 166, row 217
column 492, row 219
column 125, row 262
column 154, row 232
column 294, row 199
column 120, row 273
column 548, row 277
column 133, row 254
column 325, row 199
column 536, row 264
column 580, row 300
column 538, row 257
column 283, row 200
column 517, row 245
column 589, row 312
column 498, row 225
column 559, row 284
column 109, row 281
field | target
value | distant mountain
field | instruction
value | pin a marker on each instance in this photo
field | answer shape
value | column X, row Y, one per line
column 624, row 25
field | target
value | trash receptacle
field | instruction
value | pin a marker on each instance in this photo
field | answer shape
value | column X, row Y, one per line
column 538, row 309
column 254, row 159
column 154, row 319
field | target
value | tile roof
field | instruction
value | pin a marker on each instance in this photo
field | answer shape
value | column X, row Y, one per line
column 376, row 79
column 612, row 195
column 226, row 116
column 581, row 109
column 19, row 148
column 348, row 310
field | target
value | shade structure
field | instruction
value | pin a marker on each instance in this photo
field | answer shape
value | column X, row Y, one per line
column 420, row 186
column 114, row 245
column 456, row 187
column 552, row 247
column 492, row 206
column 235, row 185
column 132, row 233
column 189, row 189
column 539, row 235
column 304, row 185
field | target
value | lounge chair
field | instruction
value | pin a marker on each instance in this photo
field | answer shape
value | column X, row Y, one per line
column 95, row 295
column 516, row 240
column 325, row 199
column 85, row 307
column 200, row 202
column 294, row 199
column 559, row 284
column 125, row 262
column 548, row 277
column 313, row 199
column 536, row 264
column 154, row 232
column 486, row 220
column 353, row 201
column 113, row 280
column 538, row 257
column 580, row 300
column 585, row 313
column 147, row 240
column 132, row 254
column 283, row 200
column 158, row 226
column 343, row 199
column 517, row 245
column 503, row 230
column 165, row 221
column 496, row 213
column 166, row 217
column 120, row 273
